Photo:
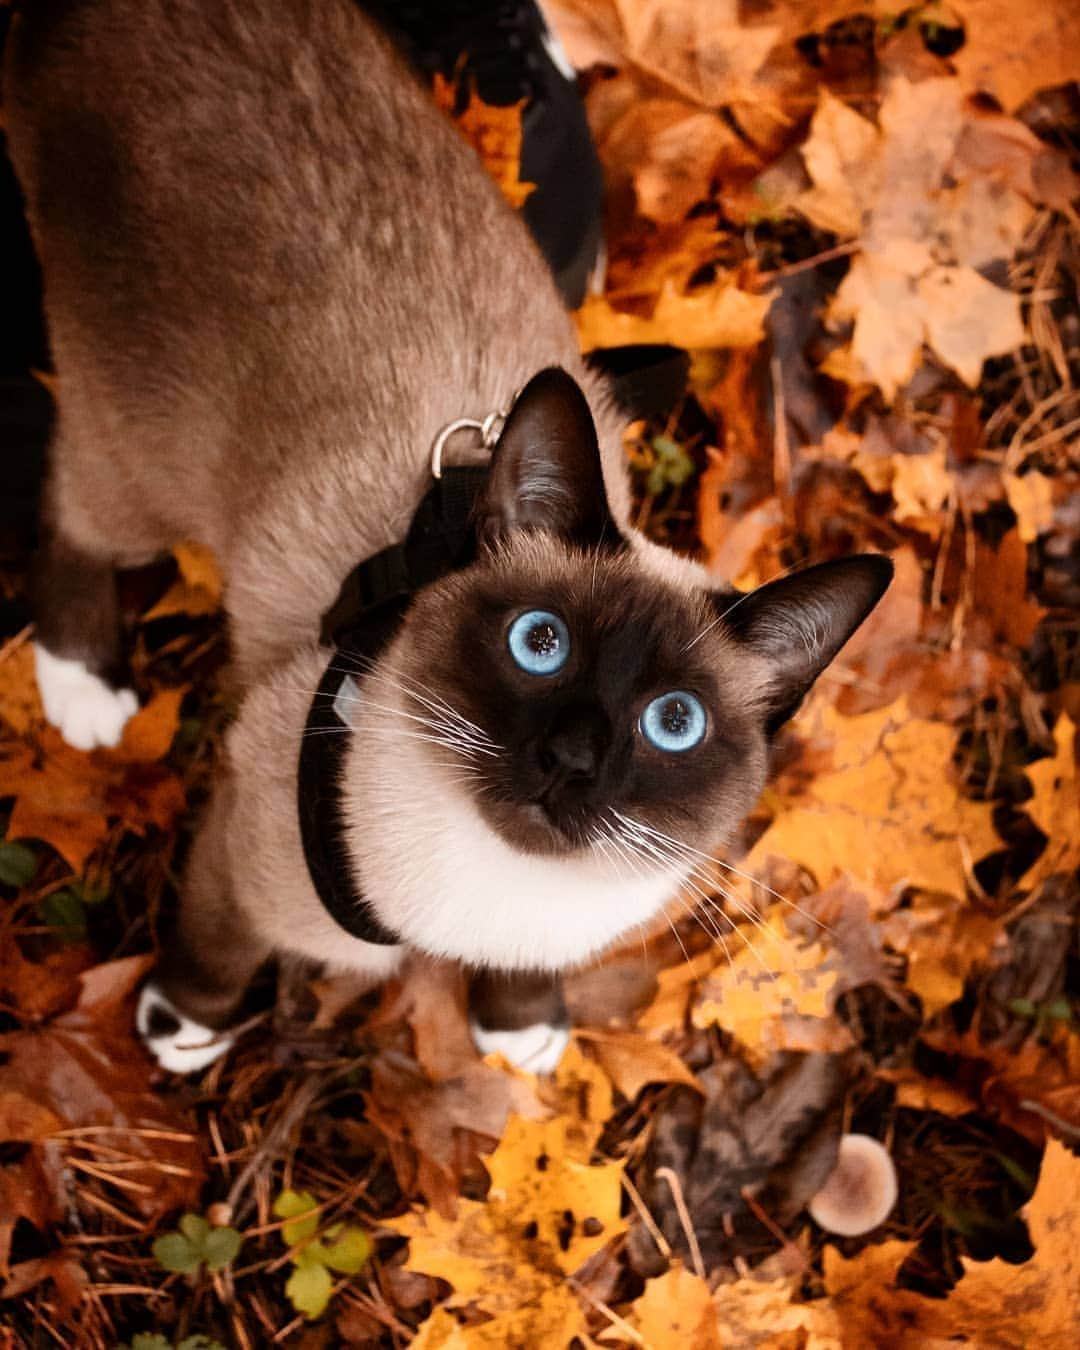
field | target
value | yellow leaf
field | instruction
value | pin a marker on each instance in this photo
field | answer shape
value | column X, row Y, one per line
column 1032, row 499
column 676, row 1313
column 554, row 1319
column 995, row 1304
column 767, row 981
column 764, row 1314
column 70, row 798
column 198, row 589
column 1055, row 807
column 545, row 1214
column 20, row 703
column 720, row 315
column 580, row 1093
column 944, row 940
column 674, row 987
column 889, row 813
column 1037, row 1303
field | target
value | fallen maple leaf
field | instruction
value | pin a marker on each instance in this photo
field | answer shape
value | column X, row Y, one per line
column 196, row 591
column 70, row 799
column 632, row 1060
column 762, row 994
column 555, row 1318
column 83, row 1076
column 719, row 315
column 943, row 941
column 995, row 1303
column 888, row 813
column 546, row 1213
column 914, row 280
column 1055, row 806
column 20, row 703
column 1011, row 59
column 676, row 1313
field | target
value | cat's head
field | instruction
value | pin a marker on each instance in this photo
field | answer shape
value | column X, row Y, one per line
column 590, row 705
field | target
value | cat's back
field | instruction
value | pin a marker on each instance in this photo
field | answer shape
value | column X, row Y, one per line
column 218, row 180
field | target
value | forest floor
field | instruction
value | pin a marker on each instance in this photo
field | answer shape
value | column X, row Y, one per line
column 860, row 223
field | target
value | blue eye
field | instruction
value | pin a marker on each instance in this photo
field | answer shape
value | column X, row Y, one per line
column 674, row 721
column 539, row 642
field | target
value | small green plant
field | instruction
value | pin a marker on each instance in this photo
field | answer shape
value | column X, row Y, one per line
column 154, row 1340
column 1046, row 1015
column 194, row 1244
column 18, row 864
column 342, row 1247
column 671, row 465
column 65, row 910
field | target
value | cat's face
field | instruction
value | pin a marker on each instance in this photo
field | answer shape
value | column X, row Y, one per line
column 611, row 704
column 560, row 726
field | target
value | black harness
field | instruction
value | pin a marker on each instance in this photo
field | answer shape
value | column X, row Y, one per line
column 358, row 626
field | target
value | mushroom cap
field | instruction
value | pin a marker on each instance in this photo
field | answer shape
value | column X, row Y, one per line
column 861, row 1189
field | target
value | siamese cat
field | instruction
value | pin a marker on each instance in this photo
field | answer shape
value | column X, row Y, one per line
column 276, row 278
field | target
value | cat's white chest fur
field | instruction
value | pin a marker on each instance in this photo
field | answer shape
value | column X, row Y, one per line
column 443, row 879
column 440, row 876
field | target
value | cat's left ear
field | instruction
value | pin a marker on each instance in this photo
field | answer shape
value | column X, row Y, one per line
column 545, row 469
column 799, row 623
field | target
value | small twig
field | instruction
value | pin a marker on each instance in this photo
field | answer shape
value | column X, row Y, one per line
column 646, row 1218
column 781, row 448
column 275, row 1136
column 1037, row 1108
column 610, row 1313
column 684, row 1217
column 818, row 260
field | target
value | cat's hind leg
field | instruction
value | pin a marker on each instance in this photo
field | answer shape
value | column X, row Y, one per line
column 77, row 651
column 193, row 999
column 521, row 1015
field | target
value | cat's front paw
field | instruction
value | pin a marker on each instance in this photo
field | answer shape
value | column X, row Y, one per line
column 178, row 1043
column 84, row 708
column 537, row 1049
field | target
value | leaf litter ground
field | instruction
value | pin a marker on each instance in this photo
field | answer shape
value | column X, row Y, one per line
column 859, row 223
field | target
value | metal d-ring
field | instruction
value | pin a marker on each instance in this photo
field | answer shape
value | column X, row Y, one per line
column 490, row 430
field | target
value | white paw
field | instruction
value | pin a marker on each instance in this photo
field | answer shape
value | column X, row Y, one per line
column 537, row 1048
column 85, row 710
column 178, row 1043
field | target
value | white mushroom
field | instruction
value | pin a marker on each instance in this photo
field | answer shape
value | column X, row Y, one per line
column 860, row 1191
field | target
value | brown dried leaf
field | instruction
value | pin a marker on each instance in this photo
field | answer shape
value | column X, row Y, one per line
column 87, row 1070
column 1010, row 54
column 70, row 799
column 915, row 280
column 632, row 1060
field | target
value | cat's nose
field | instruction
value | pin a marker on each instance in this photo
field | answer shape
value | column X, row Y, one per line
column 572, row 748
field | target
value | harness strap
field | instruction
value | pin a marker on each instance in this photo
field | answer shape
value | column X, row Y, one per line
column 359, row 625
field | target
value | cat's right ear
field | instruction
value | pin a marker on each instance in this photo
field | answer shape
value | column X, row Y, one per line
column 545, row 469
column 799, row 623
